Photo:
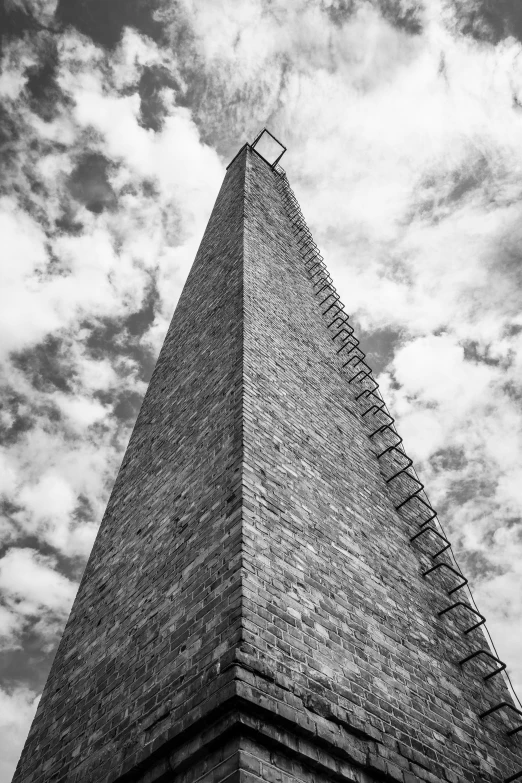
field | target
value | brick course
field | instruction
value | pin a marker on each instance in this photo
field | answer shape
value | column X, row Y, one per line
column 253, row 608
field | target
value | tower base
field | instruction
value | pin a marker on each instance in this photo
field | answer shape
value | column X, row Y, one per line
column 251, row 728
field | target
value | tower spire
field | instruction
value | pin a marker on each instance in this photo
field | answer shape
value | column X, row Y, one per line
column 258, row 604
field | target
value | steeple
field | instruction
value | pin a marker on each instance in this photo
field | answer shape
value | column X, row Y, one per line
column 261, row 602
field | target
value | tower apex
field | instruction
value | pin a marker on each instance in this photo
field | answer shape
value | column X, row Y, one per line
column 268, row 147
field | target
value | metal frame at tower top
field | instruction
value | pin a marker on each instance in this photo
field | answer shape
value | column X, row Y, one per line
column 258, row 139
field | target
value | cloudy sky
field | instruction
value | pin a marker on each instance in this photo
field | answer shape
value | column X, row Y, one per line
column 117, row 119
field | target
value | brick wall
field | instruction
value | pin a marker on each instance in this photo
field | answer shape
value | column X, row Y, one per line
column 253, row 609
column 159, row 602
column 335, row 604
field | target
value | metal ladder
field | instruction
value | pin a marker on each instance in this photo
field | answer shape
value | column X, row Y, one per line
column 381, row 424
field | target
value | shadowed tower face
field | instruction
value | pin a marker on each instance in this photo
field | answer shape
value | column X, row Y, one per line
column 254, row 606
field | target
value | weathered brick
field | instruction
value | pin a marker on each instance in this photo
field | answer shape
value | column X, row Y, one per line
column 251, row 562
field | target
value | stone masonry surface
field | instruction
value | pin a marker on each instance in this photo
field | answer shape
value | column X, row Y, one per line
column 160, row 598
column 253, row 609
column 334, row 601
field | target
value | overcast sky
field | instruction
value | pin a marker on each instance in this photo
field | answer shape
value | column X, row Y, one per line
column 117, row 119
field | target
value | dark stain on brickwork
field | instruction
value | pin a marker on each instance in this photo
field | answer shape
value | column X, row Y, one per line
column 253, row 609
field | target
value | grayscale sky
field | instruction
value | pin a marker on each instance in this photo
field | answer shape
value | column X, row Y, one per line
column 403, row 121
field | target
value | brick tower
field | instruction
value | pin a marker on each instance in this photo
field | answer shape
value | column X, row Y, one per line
column 269, row 597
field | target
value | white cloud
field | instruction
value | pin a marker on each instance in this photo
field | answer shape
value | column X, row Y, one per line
column 433, row 370
column 11, row 84
column 82, row 412
column 94, row 375
column 32, row 584
column 50, row 500
column 175, row 158
column 8, row 475
column 24, row 259
column 32, row 590
column 11, row 626
column 17, row 709
column 41, row 9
